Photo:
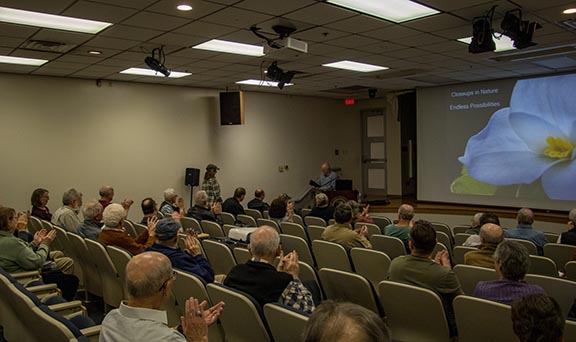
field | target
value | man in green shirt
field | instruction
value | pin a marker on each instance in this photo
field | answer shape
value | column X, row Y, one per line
column 401, row 229
column 418, row 269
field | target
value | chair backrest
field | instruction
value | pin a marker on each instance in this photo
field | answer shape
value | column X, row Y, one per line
column 255, row 214
column 442, row 227
column 460, row 238
column 286, row 325
column 242, row 255
column 299, row 220
column 14, row 308
column 542, row 266
column 439, row 247
column 129, row 226
column 530, row 246
column 92, row 280
column 46, row 225
column 371, row 264
column 139, row 228
column 552, row 237
column 315, row 232
column 306, row 211
column 212, row 228
column 227, row 228
column 188, row 285
column 59, row 244
column 469, row 276
column 561, row 254
column 308, row 275
column 459, row 230
column 372, row 229
column 294, row 229
column 266, row 214
column 120, row 258
column 191, row 223
column 421, row 307
column 268, row 222
column 228, row 218
column 247, row 220
column 34, row 225
column 111, row 287
column 444, row 239
column 459, row 252
column 220, row 256
column 331, row 255
column 392, row 246
column 480, row 320
column 381, row 221
column 349, row 287
column 570, row 270
column 314, row 221
column 242, row 320
column 294, row 243
column 570, row 331
column 564, row 291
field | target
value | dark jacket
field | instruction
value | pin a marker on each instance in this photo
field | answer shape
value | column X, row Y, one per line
column 233, row 206
column 569, row 237
column 327, row 213
column 200, row 214
column 258, row 204
column 197, row 265
column 260, row 280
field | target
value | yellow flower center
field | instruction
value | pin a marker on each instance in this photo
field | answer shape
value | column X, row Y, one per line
column 558, row 148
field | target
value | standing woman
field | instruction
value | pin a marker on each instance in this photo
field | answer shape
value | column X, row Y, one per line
column 39, row 200
column 211, row 186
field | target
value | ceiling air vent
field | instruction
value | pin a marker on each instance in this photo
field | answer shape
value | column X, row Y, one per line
column 570, row 24
column 47, row 46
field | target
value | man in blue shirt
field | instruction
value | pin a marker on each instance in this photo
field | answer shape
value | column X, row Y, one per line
column 191, row 260
column 327, row 180
column 525, row 231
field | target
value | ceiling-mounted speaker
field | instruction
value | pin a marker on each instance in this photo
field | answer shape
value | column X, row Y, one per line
column 231, row 108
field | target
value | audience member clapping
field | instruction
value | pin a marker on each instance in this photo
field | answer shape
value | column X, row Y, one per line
column 342, row 232
column 201, row 210
column 113, row 232
column 92, row 224
column 67, row 216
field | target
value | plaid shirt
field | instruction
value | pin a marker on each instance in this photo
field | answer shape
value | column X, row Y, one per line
column 297, row 296
column 212, row 189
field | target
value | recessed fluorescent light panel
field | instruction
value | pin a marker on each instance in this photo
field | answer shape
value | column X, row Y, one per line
column 262, row 83
column 22, row 60
column 231, row 47
column 57, row 22
column 355, row 66
column 150, row 72
column 504, row 43
column 392, row 10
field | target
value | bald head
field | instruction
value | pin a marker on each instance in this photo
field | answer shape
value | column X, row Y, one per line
column 491, row 233
column 406, row 212
column 325, row 168
column 525, row 216
column 146, row 273
column 107, row 192
column 264, row 243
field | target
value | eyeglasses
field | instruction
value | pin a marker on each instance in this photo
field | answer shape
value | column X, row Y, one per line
column 164, row 284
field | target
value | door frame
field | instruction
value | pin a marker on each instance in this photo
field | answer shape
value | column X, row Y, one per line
column 367, row 162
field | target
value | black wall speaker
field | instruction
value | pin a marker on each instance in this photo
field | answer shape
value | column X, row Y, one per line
column 231, row 108
column 192, row 177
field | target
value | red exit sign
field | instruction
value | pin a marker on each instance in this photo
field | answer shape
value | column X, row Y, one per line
column 349, row 101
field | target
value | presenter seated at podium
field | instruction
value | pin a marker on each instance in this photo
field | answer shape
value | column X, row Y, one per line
column 327, row 180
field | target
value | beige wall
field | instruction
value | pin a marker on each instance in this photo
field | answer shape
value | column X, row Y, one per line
column 59, row 133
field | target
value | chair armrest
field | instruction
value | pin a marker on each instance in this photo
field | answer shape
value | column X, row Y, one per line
column 42, row 288
column 29, row 274
column 93, row 332
column 75, row 305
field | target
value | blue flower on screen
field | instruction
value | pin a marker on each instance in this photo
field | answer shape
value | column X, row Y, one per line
column 534, row 139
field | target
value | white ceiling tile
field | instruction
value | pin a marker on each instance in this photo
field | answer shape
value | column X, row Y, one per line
column 138, row 4
column 243, row 36
column 320, row 14
column 274, row 7
column 420, row 40
column 450, row 5
column 359, row 24
column 320, row 34
column 52, row 6
column 18, row 69
column 352, row 41
column 17, row 31
column 392, row 32
column 200, row 8
column 130, row 32
column 237, row 17
column 156, row 21
column 113, row 43
column 47, row 71
column 205, row 29
column 11, row 41
column 96, row 11
column 177, row 39
column 36, row 54
column 62, row 36
column 436, row 22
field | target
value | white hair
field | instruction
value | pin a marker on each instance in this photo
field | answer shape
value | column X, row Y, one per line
column 70, row 196
column 92, row 209
column 201, row 198
column 113, row 215
column 572, row 216
column 169, row 194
